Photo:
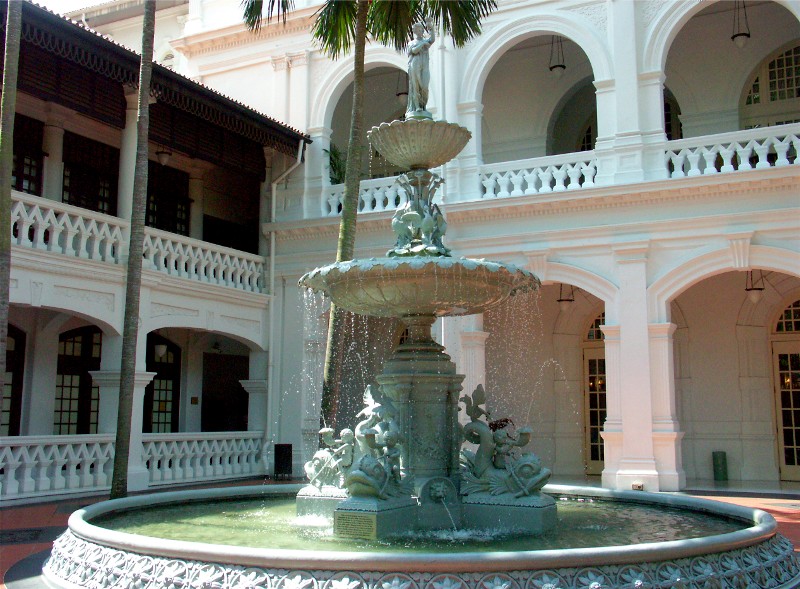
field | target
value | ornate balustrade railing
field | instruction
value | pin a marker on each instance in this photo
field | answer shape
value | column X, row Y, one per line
column 46, row 225
column 43, row 466
column 52, row 226
column 34, row 466
column 728, row 152
column 569, row 171
column 193, row 259
column 188, row 457
column 378, row 194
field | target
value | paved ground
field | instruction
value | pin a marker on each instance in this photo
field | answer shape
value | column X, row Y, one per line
column 27, row 531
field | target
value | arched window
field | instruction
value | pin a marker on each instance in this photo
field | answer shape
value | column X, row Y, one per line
column 77, row 397
column 11, row 406
column 773, row 94
column 594, row 393
column 786, row 377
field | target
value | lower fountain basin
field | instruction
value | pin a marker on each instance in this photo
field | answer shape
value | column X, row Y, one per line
column 401, row 287
column 753, row 556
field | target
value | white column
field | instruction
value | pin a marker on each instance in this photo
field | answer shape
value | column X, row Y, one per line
column 256, row 387
column 612, row 428
column 473, row 355
column 467, row 181
column 138, row 476
column 196, row 208
column 280, row 91
column 631, row 367
column 629, row 108
column 299, row 85
column 666, row 431
column 265, row 208
column 127, row 156
column 192, row 410
column 53, row 146
column 107, row 379
column 194, row 19
column 41, row 402
column 317, row 177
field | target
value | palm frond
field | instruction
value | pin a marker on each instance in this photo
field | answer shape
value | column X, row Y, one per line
column 461, row 19
column 389, row 21
column 254, row 12
column 334, row 27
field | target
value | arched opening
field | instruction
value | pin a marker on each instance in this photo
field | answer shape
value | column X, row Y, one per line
column 11, row 406
column 530, row 110
column 712, row 79
column 385, row 98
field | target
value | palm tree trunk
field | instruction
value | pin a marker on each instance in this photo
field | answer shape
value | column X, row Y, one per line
column 119, row 481
column 334, row 351
column 7, row 110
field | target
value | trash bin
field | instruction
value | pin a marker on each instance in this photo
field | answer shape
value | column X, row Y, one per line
column 720, row 461
column 283, row 462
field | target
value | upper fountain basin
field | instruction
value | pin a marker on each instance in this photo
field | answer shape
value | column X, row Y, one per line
column 402, row 287
column 416, row 144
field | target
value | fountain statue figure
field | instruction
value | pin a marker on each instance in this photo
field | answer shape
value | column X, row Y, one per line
column 419, row 74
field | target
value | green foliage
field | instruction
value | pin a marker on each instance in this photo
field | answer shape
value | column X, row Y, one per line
column 388, row 22
column 254, row 11
column 336, row 164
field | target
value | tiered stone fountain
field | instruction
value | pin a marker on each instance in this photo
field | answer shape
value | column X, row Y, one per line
column 400, row 468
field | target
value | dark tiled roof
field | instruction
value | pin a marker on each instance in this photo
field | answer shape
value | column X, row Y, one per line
column 73, row 41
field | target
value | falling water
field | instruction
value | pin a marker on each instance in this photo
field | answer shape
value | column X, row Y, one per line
column 450, row 515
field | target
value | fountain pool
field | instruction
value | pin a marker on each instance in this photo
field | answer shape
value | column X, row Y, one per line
column 737, row 548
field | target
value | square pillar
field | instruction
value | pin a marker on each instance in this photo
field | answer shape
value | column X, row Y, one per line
column 629, row 380
column 666, row 431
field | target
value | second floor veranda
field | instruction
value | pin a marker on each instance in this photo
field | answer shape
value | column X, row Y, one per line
column 583, row 172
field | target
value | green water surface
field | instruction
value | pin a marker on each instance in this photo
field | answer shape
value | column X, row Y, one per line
column 271, row 523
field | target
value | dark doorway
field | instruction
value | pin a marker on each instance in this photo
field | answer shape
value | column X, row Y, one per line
column 11, row 406
column 162, row 395
column 77, row 397
column 224, row 405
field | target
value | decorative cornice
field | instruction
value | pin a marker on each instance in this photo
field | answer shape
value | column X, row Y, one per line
column 221, row 40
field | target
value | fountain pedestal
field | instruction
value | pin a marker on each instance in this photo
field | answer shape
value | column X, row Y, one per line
column 421, row 386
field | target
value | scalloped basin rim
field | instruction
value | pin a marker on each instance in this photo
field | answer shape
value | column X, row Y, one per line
column 403, row 287
column 419, row 143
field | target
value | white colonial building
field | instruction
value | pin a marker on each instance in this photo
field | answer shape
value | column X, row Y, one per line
column 639, row 156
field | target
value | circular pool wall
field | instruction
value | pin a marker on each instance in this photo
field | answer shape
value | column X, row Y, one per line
column 90, row 556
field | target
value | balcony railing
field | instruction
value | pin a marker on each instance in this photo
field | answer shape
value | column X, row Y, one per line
column 34, row 466
column 729, row 152
column 558, row 173
column 64, row 229
column 379, row 194
column 184, row 257
column 193, row 457
column 46, row 225
column 760, row 148
column 41, row 466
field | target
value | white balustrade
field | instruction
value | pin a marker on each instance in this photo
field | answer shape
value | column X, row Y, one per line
column 34, row 466
column 65, row 229
column 192, row 259
column 378, row 194
column 728, row 152
column 187, row 457
column 558, row 173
